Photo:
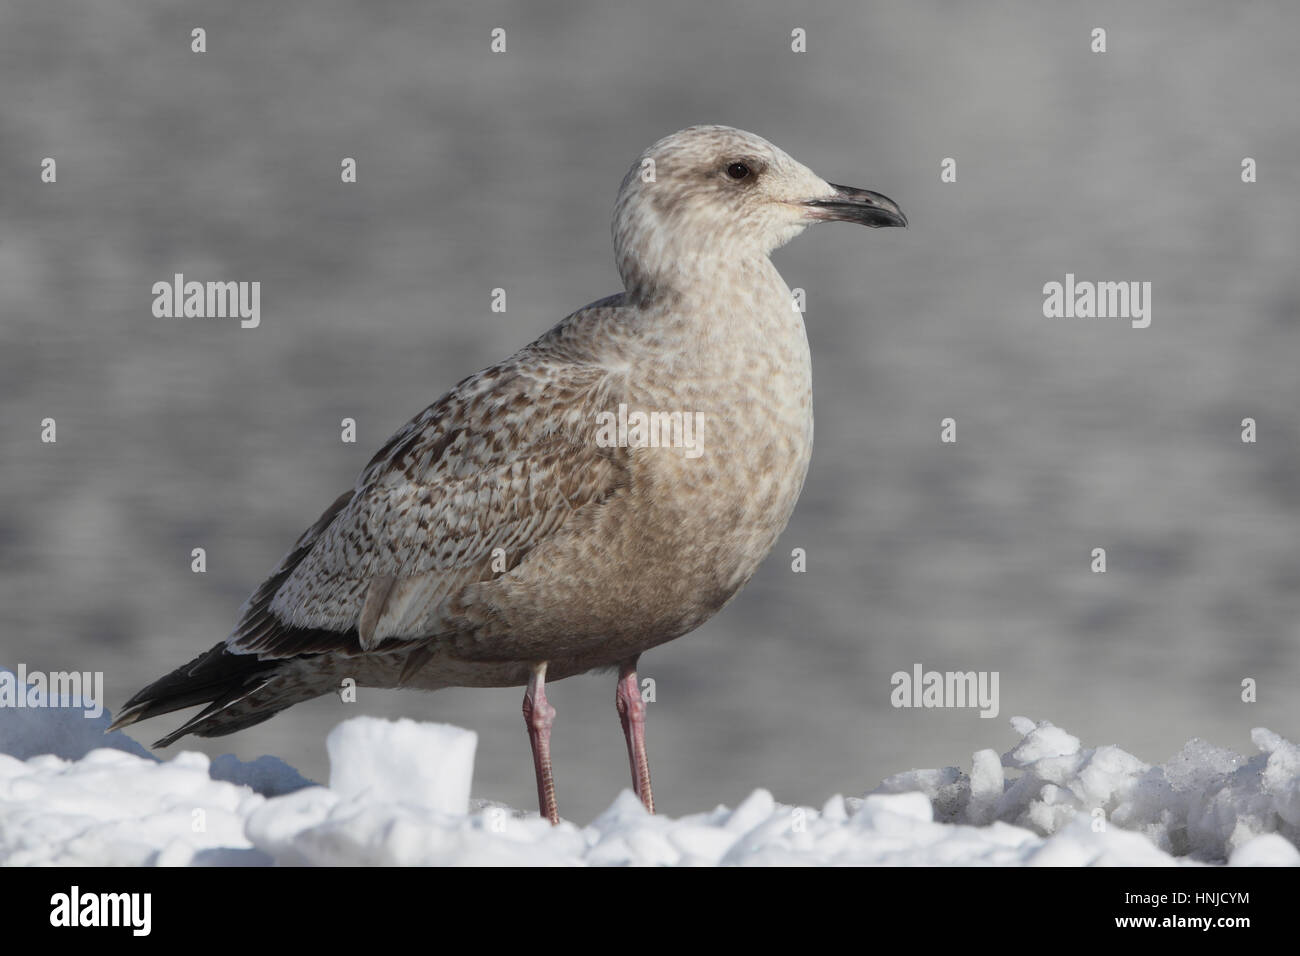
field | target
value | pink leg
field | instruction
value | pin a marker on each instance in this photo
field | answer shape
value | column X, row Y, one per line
column 631, row 711
column 538, row 717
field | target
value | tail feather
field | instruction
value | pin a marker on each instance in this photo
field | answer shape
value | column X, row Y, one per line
column 240, row 689
column 216, row 720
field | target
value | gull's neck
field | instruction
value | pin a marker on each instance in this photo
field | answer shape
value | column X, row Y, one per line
column 708, row 281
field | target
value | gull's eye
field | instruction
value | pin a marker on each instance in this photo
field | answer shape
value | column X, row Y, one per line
column 737, row 170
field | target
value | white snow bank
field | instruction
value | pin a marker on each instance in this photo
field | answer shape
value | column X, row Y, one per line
column 1206, row 803
column 399, row 793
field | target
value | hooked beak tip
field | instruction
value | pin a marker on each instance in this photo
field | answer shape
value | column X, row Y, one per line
column 863, row 206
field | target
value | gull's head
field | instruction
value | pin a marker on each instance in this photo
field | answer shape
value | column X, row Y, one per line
column 717, row 193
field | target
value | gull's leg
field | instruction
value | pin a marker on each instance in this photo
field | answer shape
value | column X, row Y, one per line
column 538, row 716
column 631, row 711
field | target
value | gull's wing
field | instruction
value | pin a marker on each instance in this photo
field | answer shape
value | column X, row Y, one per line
column 502, row 461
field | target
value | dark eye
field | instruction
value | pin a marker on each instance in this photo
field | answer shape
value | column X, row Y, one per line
column 737, row 170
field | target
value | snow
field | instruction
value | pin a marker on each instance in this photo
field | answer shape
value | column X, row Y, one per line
column 438, row 762
column 399, row 794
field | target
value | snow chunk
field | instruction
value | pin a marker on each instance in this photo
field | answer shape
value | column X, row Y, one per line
column 426, row 765
column 1267, row 850
column 115, row 809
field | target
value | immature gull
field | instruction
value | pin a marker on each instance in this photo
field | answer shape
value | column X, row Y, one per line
column 528, row 524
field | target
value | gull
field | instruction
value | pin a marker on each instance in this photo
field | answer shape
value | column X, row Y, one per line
column 509, row 534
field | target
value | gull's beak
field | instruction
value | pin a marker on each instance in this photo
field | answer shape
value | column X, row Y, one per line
column 856, row 205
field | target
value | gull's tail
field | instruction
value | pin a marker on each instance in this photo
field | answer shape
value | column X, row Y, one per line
column 240, row 689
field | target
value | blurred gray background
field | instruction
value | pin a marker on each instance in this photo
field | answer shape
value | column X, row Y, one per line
column 479, row 170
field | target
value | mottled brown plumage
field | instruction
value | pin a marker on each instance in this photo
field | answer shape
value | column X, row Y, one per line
column 494, row 541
